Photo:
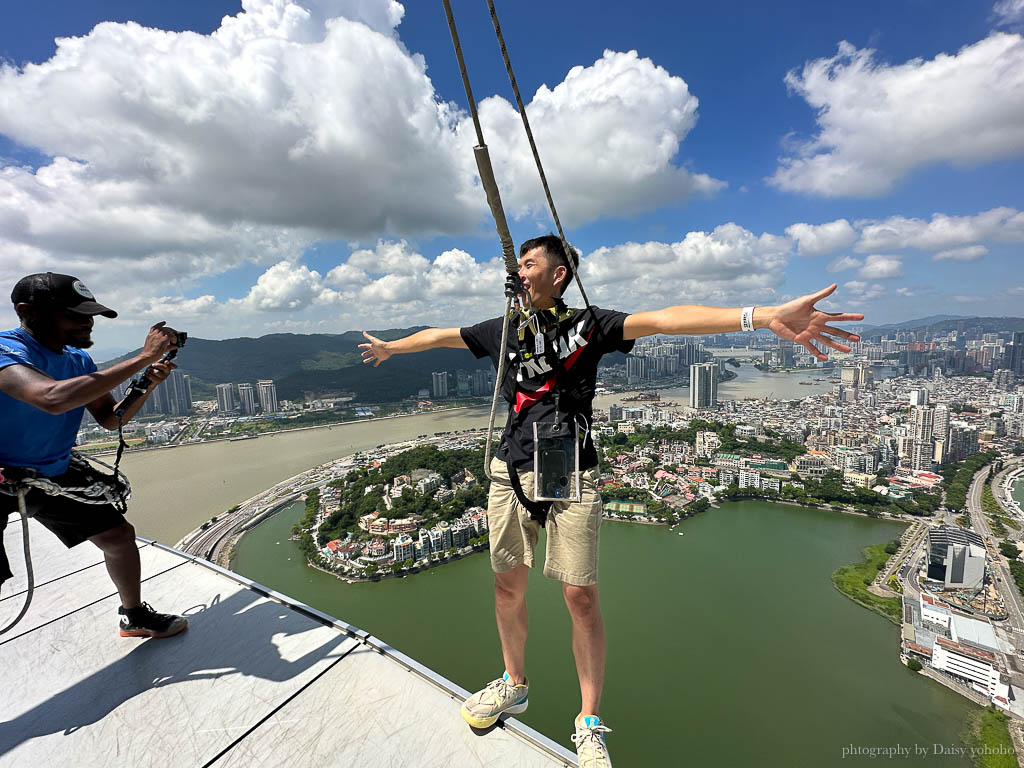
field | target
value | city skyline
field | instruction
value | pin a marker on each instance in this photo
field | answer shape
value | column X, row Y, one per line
column 734, row 169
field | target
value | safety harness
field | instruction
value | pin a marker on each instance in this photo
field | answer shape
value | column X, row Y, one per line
column 567, row 388
column 113, row 490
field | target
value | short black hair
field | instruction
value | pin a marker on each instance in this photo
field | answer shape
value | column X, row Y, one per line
column 552, row 245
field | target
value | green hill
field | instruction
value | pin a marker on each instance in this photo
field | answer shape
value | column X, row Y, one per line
column 315, row 364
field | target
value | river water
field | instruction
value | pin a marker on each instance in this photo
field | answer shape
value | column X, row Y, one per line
column 176, row 489
column 727, row 646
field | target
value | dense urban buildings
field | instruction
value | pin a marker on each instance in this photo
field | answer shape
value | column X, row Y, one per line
column 655, row 358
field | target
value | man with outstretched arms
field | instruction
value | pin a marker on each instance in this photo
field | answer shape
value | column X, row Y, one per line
column 549, row 385
column 47, row 380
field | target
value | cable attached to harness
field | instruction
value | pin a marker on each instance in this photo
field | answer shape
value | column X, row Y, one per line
column 29, row 571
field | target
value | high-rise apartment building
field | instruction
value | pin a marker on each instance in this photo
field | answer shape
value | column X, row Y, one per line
column 703, row 385
column 924, row 422
column 786, row 353
column 268, row 396
column 440, row 383
column 921, row 455
column 482, row 381
column 172, row 397
column 857, row 376
column 246, row 399
column 1015, row 354
column 963, row 440
column 637, row 368
column 462, row 383
column 919, row 396
column 226, row 399
column 940, row 426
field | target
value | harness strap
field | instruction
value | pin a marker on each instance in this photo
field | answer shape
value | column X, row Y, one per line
column 121, row 444
column 538, row 509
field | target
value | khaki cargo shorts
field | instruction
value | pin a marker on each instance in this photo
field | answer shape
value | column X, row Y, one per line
column 573, row 529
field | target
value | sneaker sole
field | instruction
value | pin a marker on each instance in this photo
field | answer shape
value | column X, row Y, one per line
column 487, row 722
column 151, row 633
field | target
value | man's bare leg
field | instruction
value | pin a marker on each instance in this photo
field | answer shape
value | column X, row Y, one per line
column 121, row 554
column 588, row 643
column 513, row 622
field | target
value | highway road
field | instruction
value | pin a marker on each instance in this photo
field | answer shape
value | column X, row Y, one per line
column 1005, row 586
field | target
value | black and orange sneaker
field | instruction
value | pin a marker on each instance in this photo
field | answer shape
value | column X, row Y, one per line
column 145, row 622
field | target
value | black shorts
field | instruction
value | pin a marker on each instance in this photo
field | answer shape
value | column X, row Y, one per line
column 70, row 521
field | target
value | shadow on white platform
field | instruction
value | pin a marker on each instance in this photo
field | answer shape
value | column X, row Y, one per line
column 256, row 680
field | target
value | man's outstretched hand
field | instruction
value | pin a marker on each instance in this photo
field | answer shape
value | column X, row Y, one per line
column 799, row 321
column 376, row 351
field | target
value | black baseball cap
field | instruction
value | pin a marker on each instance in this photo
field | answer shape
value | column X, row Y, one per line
column 60, row 291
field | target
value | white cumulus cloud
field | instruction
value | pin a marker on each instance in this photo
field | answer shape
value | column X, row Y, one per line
column 608, row 136
column 966, row 253
column 863, row 291
column 287, row 287
column 176, row 155
column 941, row 232
column 879, row 267
column 878, row 122
column 822, row 239
column 1009, row 12
column 725, row 266
column 843, row 263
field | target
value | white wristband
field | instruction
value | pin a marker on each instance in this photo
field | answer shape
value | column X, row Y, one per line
column 747, row 319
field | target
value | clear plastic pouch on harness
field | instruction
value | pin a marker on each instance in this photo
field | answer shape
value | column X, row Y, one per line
column 556, row 462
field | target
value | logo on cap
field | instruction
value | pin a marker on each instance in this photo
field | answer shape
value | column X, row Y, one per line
column 82, row 291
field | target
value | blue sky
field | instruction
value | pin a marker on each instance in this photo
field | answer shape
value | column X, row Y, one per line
column 671, row 165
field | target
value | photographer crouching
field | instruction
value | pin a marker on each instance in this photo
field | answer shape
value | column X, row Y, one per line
column 47, row 379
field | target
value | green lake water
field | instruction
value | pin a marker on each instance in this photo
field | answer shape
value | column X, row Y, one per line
column 727, row 646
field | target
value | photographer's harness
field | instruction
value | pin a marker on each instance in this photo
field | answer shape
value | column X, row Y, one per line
column 104, row 489
column 565, row 387
column 111, row 489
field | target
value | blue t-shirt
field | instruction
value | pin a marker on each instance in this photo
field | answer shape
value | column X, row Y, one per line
column 30, row 437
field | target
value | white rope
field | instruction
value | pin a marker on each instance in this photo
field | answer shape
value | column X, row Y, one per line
column 113, row 491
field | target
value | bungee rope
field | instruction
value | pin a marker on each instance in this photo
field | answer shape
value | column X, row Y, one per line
column 533, row 148
column 513, row 285
column 508, row 249
column 113, row 490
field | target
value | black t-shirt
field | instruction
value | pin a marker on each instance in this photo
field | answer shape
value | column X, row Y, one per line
column 576, row 341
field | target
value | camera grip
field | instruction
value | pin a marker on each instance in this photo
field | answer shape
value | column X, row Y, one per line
column 137, row 389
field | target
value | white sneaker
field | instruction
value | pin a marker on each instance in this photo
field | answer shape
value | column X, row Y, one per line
column 483, row 708
column 591, row 751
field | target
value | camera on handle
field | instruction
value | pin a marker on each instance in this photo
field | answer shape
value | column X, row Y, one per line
column 140, row 385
